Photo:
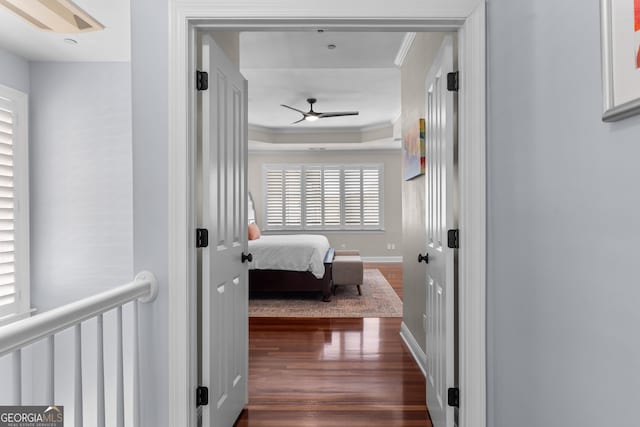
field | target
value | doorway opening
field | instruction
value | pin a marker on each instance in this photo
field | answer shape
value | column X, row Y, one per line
column 183, row 264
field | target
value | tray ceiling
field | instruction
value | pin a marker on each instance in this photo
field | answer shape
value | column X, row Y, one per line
column 289, row 67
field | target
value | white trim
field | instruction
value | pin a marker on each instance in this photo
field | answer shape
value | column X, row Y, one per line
column 323, row 136
column 182, row 299
column 379, row 145
column 407, row 16
column 10, row 318
column 407, row 42
column 472, row 220
column 381, row 258
column 18, row 102
column 414, row 348
column 373, row 127
column 27, row 331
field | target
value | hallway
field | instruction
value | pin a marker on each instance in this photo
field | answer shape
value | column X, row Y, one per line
column 333, row 372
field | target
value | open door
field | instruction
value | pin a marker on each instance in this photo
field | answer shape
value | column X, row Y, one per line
column 224, row 275
column 441, row 184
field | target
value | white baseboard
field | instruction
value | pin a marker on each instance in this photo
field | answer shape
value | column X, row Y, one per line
column 381, row 259
column 414, row 348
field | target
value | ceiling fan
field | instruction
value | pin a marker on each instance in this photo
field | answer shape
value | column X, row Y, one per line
column 312, row 116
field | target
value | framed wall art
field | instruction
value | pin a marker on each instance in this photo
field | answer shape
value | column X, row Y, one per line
column 620, row 29
column 413, row 150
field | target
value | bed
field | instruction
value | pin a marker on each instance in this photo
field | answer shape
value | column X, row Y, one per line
column 291, row 263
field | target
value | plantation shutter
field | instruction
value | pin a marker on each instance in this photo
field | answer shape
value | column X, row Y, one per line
column 293, row 197
column 323, row 197
column 371, row 197
column 332, row 199
column 313, row 197
column 352, row 197
column 8, row 286
column 274, row 212
column 283, row 197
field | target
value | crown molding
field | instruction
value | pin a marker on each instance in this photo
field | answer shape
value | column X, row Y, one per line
column 407, row 42
column 387, row 144
column 321, row 130
column 321, row 136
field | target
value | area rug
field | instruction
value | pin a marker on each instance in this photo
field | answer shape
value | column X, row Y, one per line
column 378, row 299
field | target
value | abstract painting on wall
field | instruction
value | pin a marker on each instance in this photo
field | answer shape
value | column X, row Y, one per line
column 413, row 148
column 620, row 28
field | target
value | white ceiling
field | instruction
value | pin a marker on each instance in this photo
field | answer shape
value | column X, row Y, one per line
column 281, row 67
column 289, row 67
column 111, row 44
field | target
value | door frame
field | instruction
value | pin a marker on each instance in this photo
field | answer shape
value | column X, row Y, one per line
column 185, row 18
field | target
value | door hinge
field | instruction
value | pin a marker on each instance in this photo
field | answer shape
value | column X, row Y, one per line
column 452, row 81
column 202, row 396
column 453, row 397
column 202, row 237
column 452, row 239
column 202, row 80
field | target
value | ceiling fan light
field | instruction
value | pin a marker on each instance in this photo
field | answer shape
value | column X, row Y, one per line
column 311, row 118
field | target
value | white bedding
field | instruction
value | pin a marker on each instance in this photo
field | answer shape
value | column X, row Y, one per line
column 293, row 252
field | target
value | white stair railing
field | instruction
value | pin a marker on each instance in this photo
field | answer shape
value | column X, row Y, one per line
column 43, row 327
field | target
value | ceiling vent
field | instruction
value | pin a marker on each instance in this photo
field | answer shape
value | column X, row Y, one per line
column 58, row 16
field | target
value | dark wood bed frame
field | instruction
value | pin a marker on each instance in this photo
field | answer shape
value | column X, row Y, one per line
column 293, row 281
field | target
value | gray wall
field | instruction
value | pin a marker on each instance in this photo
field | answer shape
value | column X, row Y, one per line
column 562, row 298
column 14, row 71
column 413, row 77
column 80, row 180
column 81, row 207
column 563, row 226
column 370, row 243
column 150, row 82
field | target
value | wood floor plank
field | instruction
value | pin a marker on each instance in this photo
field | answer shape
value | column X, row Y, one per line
column 333, row 372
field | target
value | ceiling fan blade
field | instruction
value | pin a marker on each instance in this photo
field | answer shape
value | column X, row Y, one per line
column 301, row 120
column 338, row 114
column 294, row 109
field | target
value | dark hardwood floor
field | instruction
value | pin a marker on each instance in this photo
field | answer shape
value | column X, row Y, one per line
column 333, row 372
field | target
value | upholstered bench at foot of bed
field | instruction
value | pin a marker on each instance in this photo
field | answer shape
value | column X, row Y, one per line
column 347, row 269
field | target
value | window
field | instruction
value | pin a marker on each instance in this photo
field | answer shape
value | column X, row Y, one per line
column 323, row 197
column 14, row 203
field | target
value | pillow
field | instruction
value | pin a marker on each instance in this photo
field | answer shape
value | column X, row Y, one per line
column 251, row 212
column 254, row 231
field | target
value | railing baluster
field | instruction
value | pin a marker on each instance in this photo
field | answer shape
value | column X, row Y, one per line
column 43, row 327
column 100, row 355
column 136, row 368
column 50, row 375
column 120, row 372
column 17, row 377
column 78, row 377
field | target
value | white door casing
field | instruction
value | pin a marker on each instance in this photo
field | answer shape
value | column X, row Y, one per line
column 441, row 191
column 185, row 18
column 224, row 275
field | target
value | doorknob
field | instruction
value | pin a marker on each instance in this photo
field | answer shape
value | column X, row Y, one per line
column 424, row 258
column 247, row 257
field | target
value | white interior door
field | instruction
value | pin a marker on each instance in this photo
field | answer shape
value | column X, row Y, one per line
column 224, row 213
column 440, row 210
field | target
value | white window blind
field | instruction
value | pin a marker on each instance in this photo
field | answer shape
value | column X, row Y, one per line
column 313, row 197
column 332, row 197
column 14, row 238
column 323, row 197
column 284, row 206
